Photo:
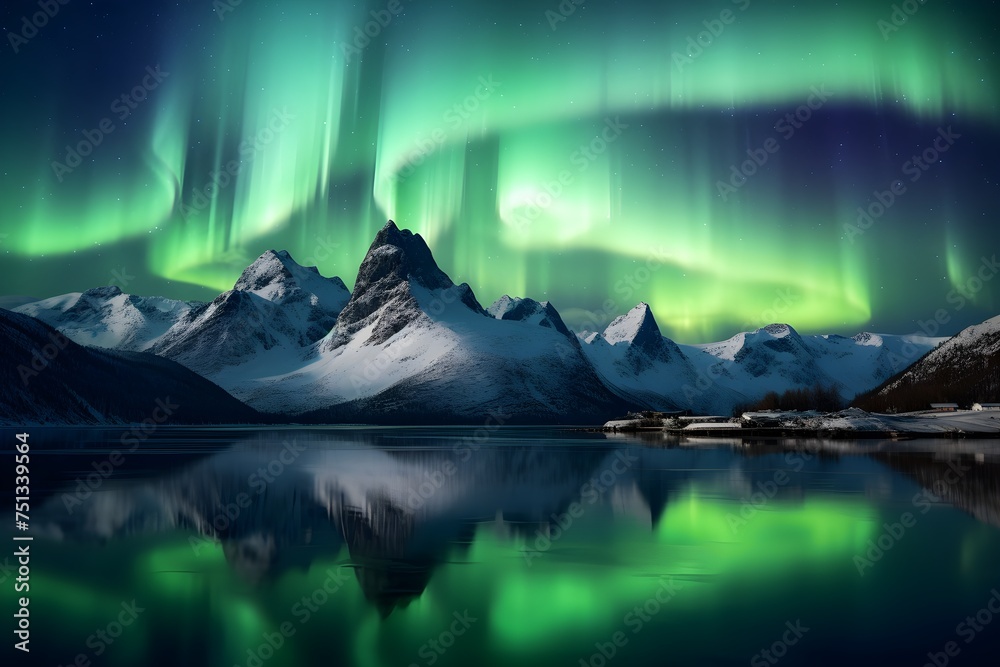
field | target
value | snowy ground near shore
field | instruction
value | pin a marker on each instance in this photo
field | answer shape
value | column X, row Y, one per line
column 853, row 419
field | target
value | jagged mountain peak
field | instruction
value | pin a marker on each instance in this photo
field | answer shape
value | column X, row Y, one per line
column 778, row 330
column 108, row 292
column 637, row 333
column 276, row 303
column 272, row 264
column 400, row 254
column 504, row 306
column 107, row 317
column 868, row 338
column 636, row 327
column 529, row 310
column 276, row 276
column 773, row 339
column 397, row 262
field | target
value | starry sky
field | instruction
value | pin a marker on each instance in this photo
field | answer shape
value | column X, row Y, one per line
column 732, row 163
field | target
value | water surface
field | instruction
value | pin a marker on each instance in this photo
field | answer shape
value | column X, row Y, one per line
column 453, row 546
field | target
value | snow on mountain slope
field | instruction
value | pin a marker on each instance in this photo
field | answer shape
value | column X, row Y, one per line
column 235, row 329
column 106, row 317
column 272, row 316
column 275, row 304
column 632, row 356
column 777, row 358
column 303, row 294
column 867, row 360
column 969, row 348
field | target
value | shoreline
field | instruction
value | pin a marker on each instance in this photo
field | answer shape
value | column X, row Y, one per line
column 784, row 432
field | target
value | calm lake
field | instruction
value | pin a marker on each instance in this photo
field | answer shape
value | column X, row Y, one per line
column 378, row 547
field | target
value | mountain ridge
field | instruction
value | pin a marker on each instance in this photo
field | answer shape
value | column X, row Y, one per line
column 47, row 378
column 965, row 370
column 409, row 343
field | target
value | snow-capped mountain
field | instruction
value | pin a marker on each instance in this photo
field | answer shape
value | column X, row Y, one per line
column 397, row 271
column 635, row 358
column 777, row 358
column 413, row 346
column 106, row 317
column 528, row 310
column 275, row 306
column 964, row 370
column 304, row 295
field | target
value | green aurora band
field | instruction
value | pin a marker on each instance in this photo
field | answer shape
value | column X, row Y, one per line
column 578, row 164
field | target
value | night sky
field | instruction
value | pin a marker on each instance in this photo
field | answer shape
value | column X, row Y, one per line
column 594, row 155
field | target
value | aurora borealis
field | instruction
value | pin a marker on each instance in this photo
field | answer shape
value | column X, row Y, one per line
column 570, row 152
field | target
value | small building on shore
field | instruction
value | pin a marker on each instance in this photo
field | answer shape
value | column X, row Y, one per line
column 986, row 407
column 944, row 407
